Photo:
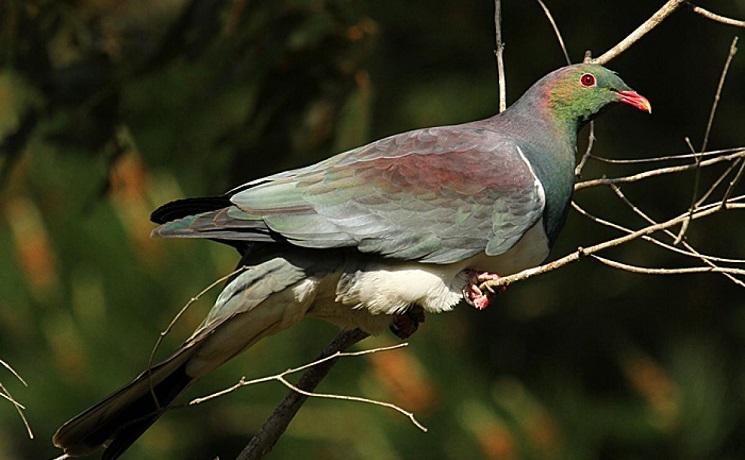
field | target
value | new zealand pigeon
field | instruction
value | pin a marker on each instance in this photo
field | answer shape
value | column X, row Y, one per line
column 415, row 219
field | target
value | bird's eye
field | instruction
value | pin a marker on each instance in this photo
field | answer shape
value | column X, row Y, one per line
column 587, row 80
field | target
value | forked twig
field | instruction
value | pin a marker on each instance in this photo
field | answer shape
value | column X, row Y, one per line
column 5, row 394
column 281, row 378
column 694, row 195
column 732, row 184
column 701, row 212
column 666, row 271
column 658, row 172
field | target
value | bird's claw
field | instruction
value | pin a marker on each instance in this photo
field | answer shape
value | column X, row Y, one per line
column 473, row 294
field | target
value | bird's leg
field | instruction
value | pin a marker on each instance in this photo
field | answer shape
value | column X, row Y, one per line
column 405, row 324
column 473, row 294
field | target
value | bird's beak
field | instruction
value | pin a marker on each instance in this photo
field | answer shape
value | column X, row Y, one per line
column 635, row 99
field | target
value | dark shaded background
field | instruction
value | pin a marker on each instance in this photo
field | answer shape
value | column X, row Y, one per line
column 109, row 108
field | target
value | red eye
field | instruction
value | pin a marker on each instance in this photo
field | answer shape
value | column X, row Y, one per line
column 587, row 80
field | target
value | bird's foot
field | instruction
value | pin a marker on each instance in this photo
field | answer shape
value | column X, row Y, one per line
column 473, row 294
column 405, row 324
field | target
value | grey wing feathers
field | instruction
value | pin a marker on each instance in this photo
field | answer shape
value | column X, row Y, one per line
column 436, row 195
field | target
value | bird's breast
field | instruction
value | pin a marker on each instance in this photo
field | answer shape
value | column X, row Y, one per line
column 529, row 251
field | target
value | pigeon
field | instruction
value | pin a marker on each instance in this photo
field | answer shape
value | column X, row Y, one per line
column 372, row 237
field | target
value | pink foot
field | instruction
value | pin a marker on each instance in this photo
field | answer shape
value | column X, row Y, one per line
column 473, row 294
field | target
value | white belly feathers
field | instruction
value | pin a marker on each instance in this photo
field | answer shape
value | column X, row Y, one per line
column 391, row 287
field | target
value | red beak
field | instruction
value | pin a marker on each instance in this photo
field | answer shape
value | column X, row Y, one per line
column 635, row 99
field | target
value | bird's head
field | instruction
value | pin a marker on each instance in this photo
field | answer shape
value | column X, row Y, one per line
column 578, row 92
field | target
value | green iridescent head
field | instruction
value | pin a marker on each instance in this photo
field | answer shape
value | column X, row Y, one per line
column 576, row 93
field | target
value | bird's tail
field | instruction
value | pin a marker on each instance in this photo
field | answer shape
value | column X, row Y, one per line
column 123, row 416
column 233, row 324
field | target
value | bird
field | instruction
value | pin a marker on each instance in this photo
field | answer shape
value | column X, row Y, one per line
column 373, row 237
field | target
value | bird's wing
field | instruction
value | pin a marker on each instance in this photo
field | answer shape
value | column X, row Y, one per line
column 436, row 195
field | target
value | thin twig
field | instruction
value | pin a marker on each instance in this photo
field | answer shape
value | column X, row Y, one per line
column 709, row 260
column 680, row 156
column 410, row 415
column 732, row 184
column 656, row 172
column 339, row 354
column 280, row 418
column 703, row 211
column 666, row 271
column 8, row 397
column 633, row 37
column 588, row 151
column 705, row 143
column 499, row 52
column 19, row 408
column 705, row 258
column 694, row 195
column 716, row 17
column 716, row 183
column 293, row 370
column 715, row 104
column 13, row 371
column 690, row 252
column 556, row 31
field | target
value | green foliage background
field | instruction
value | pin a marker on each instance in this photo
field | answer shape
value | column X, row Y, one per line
column 110, row 108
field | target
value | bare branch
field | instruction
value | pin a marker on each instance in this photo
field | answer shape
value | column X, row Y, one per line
column 689, row 253
column 4, row 393
column 293, row 370
column 588, row 151
column 13, row 371
column 339, row 354
column 657, row 172
column 722, row 77
column 499, row 52
column 680, row 156
column 686, row 245
column 694, row 195
column 666, row 271
column 633, row 37
column 732, row 184
column 556, row 31
column 716, row 17
column 358, row 399
column 709, row 260
column 701, row 212
column 277, row 423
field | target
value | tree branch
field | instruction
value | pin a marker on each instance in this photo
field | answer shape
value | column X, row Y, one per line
column 701, row 212
column 666, row 10
column 557, row 32
column 263, row 441
column 499, row 51
column 718, row 94
column 716, row 17
column 657, row 172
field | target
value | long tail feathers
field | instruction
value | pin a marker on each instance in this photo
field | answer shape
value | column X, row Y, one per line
column 210, row 217
column 117, row 421
column 233, row 324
